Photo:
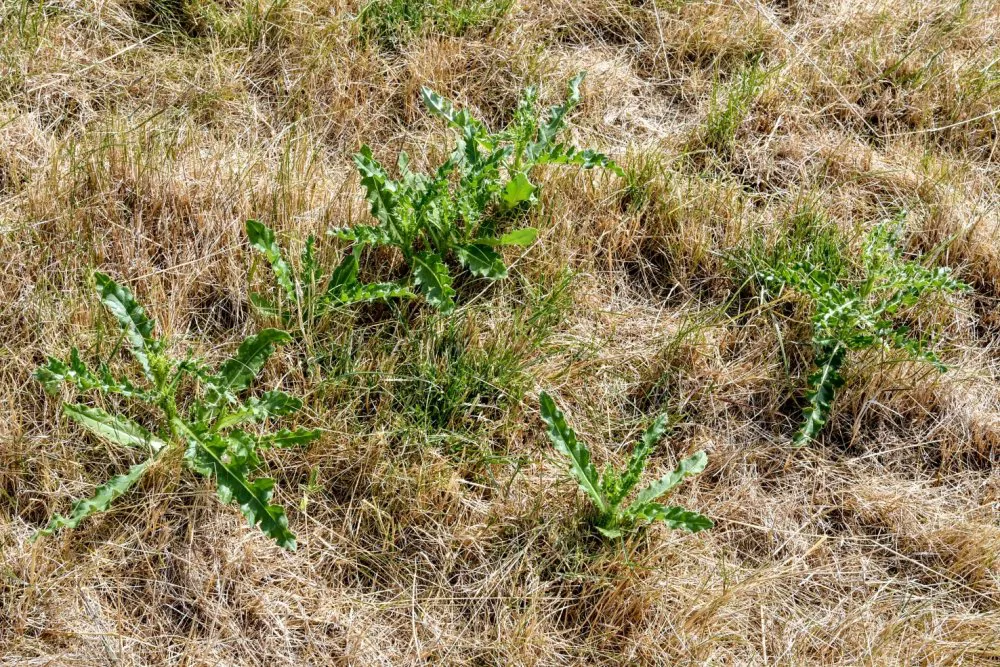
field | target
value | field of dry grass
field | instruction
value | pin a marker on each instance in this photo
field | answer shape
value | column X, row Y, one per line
column 436, row 525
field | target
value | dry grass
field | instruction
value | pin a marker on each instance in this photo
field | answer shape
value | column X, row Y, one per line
column 136, row 136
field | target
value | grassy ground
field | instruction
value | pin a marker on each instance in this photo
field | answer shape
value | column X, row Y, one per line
column 435, row 525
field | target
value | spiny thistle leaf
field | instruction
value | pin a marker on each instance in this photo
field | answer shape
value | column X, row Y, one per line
column 823, row 386
column 481, row 261
column 55, row 373
column 103, row 496
column 363, row 235
column 345, row 276
column 131, row 317
column 262, row 239
column 285, row 438
column 380, row 191
column 431, row 276
column 850, row 312
column 361, row 292
column 610, row 488
column 563, row 438
column 236, row 373
column 230, row 461
column 675, row 517
column 692, row 465
column 557, row 116
column 113, row 428
column 637, row 462
column 198, row 424
column 271, row 404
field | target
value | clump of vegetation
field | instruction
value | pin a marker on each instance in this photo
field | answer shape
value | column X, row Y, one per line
column 392, row 23
column 609, row 489
column 456, row 209
column 204, row 428
column 730, row 105
column 309, row 294
column 853, row 311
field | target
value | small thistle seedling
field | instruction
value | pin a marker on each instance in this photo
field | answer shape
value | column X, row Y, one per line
column 204, row 429
column 430, row 217
column 609, row 490
column 856, row 314
column 309, row 294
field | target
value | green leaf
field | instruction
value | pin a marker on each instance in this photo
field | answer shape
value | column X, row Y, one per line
column 271, row 404
column 55, row 373
column 823, row 386
column 264, row 306
column 432, row 277
column 520, row 237
column 274, row 403
column 482, row 261
column 131, row 317
column 103, row 496
column 285, row 438
column 563, row 438
column 381, row 193
column 437, row 105
column 519, row 189
column 113, row 428
column 692, row 465
column 237, row 372
column 609, row 532
column 229, row 461
column 52, row 375
column 557, row 118
column 262, row 239
column 361, row 292
column 362, row 235
column 637, row 462
column 674, row 517
column 344, row 276
column 585, row 159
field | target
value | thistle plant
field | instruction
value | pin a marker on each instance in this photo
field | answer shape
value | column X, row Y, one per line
column 857, row 313
column 609, row 489
column 308, row 294
column 203, row 427
column 455, row 210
